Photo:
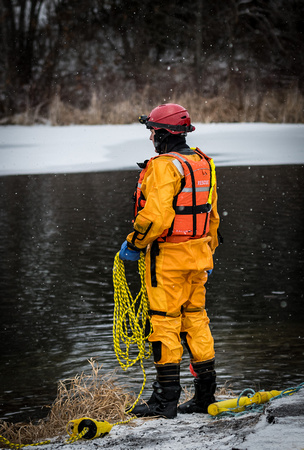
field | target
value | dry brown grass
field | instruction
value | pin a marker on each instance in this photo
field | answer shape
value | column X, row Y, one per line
column 278, row 106
column 225, row 391
column 285, row 106
column 274, row 107
column 94, row 395
column 101, row 110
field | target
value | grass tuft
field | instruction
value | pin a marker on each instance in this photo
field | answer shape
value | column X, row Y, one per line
column 87, row 395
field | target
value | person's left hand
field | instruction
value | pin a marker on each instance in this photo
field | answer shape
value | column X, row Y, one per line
column 126, row 254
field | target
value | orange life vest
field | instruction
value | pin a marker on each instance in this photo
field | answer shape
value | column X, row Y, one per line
column 192, row 205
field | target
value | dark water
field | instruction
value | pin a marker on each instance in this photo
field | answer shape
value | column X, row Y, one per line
column 58, row 237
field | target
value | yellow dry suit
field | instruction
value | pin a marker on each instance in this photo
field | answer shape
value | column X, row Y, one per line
column 176, row 267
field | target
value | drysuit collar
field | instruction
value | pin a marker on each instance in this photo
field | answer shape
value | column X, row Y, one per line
column 171, row 143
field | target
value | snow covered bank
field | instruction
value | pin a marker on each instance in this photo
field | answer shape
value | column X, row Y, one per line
column 279, row 427
column 45, row 149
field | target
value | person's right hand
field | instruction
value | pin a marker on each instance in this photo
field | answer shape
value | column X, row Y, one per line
column 126, row 254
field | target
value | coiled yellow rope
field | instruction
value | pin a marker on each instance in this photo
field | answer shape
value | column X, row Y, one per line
column 129, row 320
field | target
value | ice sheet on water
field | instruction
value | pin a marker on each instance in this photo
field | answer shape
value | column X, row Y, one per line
column 47, row 149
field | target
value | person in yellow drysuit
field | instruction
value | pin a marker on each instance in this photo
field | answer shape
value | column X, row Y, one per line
column 176, row 225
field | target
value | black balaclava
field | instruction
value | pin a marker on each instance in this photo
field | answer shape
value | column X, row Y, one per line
column 166, row 142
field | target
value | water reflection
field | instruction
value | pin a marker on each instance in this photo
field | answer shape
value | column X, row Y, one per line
column 59, row 235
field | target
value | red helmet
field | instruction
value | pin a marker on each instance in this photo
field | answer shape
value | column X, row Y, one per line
column 171, row 117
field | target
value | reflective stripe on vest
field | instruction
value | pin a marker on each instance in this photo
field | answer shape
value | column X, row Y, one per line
column 192, row 206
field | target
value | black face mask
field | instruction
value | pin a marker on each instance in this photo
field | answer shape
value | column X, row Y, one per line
column 160, row 140
column 166, row 142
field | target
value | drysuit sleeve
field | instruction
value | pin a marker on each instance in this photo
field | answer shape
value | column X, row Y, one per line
column 214, row 222
column 160, row 185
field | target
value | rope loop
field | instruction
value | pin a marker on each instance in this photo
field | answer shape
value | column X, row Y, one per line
column 130, row 320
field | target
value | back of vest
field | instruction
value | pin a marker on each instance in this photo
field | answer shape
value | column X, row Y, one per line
column 191, row 204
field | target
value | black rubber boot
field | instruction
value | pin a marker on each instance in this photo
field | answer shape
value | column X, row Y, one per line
column 204, row 385
column 165, row 396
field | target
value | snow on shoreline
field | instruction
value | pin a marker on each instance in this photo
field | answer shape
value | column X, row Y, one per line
column 45, row 149
column 279, row 427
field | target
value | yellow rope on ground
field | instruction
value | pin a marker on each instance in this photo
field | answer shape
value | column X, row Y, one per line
column 129, row 321
column 77, row 437
column 12, row 445
column 72, row 439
